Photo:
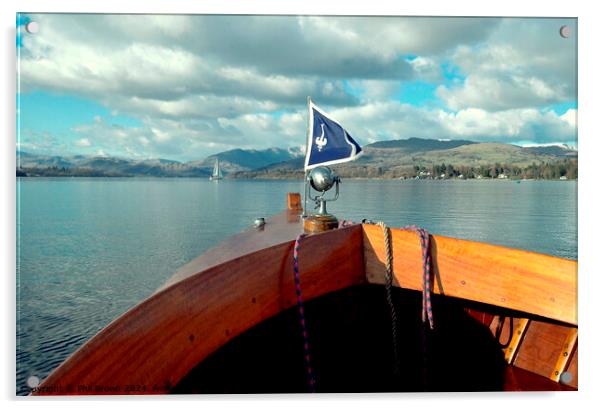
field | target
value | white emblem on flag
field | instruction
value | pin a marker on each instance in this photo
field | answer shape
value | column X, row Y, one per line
column 321, row 141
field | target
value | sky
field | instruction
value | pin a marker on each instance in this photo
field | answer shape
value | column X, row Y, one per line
column 183, row 87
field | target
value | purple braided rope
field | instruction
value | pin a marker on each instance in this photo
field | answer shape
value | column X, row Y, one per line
column 310, row 373
column 425, row 240
column 345, row 223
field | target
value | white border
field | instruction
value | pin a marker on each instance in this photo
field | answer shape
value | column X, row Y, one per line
column 310, row 139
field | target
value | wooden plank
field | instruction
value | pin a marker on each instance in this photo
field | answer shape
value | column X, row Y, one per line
column 541, row 347
column 520, row 329
column 510, row 278
column 159, row 341
column 565, row 354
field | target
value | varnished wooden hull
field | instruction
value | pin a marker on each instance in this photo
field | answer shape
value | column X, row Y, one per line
column 249, row 279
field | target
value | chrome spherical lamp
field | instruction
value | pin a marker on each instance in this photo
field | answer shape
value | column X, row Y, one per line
column 321, row 180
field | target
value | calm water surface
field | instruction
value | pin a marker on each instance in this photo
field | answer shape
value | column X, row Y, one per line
column 89, row 249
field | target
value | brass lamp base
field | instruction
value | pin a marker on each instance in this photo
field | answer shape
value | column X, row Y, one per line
column 320, row 222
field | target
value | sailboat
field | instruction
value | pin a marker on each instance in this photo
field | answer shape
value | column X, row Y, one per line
column 217, row 172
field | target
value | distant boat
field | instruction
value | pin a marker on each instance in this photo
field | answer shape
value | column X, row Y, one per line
column 217, row 172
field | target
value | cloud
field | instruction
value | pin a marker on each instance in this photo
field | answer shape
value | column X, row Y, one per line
column 200, row 84
column 166, row 138
column 83, row 142
column 526, row 63
column 121, row 67
column 172, row 57
column 393, row 120
column 426, row 69
column 570, row 117
column 500, row 91
column 511, row 125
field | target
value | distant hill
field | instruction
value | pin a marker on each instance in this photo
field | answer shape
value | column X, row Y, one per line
column 237, row 160
column 419, row 145
column 79, row 165
column 554, row 150
column 380, row 159
column 393, row 158
column 483, row 154
column 41, row 165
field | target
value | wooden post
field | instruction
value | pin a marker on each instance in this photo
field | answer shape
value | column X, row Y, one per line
column 294, row 201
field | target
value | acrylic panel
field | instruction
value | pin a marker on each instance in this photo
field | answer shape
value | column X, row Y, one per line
column 159, row 230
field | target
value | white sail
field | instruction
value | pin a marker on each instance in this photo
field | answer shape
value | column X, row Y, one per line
column 217, row 172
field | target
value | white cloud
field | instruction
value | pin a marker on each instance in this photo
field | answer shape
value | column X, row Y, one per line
column 570, row 117
column 427, row 69
column 525, row 63
column 167, row 57
column 200, row 84
column 501, row 91
column 160, row 136
column 392, row 120
column 83, row 142
column 510, row 125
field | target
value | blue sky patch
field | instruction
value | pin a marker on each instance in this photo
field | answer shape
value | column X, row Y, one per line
column 357, row 92
column 418, row 93
column 43, row 111
column 48, row 121
column 561, row 108
column 451, row 73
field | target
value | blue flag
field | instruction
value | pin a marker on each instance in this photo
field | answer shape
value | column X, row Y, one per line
column 327, row 142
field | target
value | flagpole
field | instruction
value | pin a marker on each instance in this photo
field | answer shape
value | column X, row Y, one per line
column 306, row 152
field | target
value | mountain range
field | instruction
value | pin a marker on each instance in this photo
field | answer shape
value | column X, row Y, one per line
column 394, row 158
column 379, row 158
column 232, row 161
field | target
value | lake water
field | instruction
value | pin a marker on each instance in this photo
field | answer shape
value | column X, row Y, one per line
column 89, row 249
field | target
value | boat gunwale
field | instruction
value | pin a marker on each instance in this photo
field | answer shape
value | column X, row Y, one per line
column 460, row 269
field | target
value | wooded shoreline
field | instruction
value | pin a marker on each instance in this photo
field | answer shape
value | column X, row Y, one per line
column 561, row 169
